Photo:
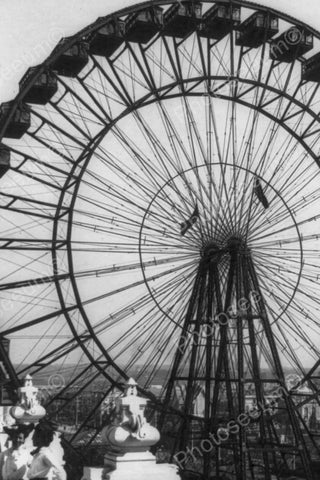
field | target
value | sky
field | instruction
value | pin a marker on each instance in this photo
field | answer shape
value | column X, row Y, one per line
column 29, row 29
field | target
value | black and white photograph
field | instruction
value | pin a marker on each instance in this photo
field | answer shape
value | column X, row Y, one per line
column 159, row 240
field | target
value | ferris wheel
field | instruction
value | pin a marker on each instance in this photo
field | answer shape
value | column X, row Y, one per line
column 160, row 213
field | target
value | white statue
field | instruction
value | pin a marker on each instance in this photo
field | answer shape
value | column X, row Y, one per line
column 131, row 427
column 28, row 408
column 129, row 439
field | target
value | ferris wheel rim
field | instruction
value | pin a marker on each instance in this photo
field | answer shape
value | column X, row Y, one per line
column 123, row 12
column 88, row 152
column 94, row 143
column 101, row 21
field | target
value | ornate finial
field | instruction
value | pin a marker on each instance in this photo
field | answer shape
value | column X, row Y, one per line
column 132, row 387
column 131, row 431
column 28, row 408
column 129, row 439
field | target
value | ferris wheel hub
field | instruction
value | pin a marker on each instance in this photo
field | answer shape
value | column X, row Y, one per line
column 210, row 250
column 235, row 244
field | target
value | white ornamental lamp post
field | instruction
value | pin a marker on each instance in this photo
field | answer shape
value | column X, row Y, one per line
column 129, row 439
column 28, row 409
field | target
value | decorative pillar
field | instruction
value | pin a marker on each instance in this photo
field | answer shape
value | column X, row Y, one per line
column 129, row 439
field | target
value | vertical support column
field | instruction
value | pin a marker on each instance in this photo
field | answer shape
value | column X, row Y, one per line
column 240, row 355
column 255, row 365
column 196, row 347
column 223, row 361
column 299, row 440
column 181, row 349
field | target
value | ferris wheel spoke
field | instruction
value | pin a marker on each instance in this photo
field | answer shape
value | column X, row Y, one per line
column 120, row 84
column 143, row 51
column 289, row 227
column 140, row 60
column 94, row 95
column 131, row 286
column 189, row 56
column 137, row 184
column 65, row 114
column 26, row 244
column 36, row 321
column 201, row 187
column 293, row 306
column 205, row 192
column 243, row 160
column 173, row 138
column 223, row 190
column 88, row 273
column 142, row 326
column 36, row 178
column 50, row 357
column 274, row 289
column 232, row 154
column 99, row 92
column 29, row 207
column 49, row 166
column 117, row 318
column 78, row 97
column 294, row 163
column 120, row 220
column 222, row 187
column 25, row 262
column 272, row 137
column 164, row 295
column 123, row 229
column 44, row 342
column 127, row 210
column 275, row 264
column 137, row 338
column 284, row 343
column 196, row 52
column 165, row 292
column 111, row 192
column 219, row 53
column 288, row 345
column 130, row 337
column 177, row 144
column 163, row 156
column 44, row 143
column 75, row 109
column 112, row 80
column 159, row 150
column 59, row 132
column 300, row 206
column 272, row 221
column 308, row 346
column 170, row 46
column 175, row 166
column 150, row 367
column 131, row 230
column 176, row 46
column 294, row 99
column 129, row 68
column 153, row 174
column 307, row 182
